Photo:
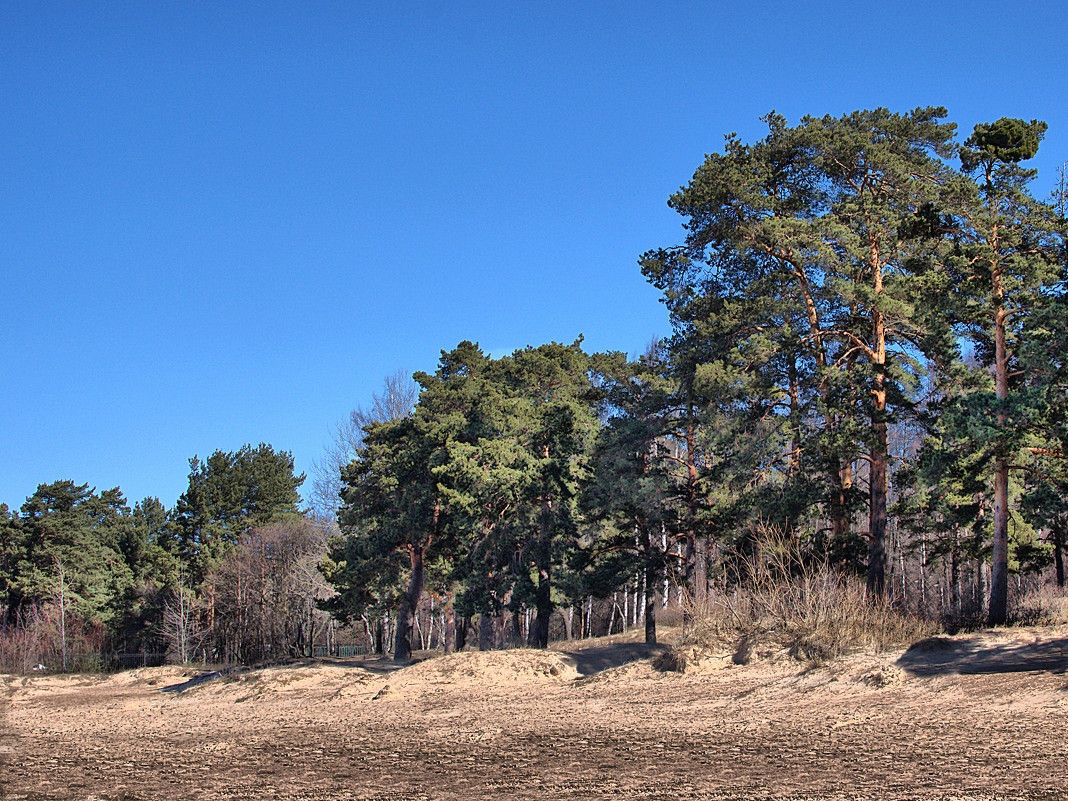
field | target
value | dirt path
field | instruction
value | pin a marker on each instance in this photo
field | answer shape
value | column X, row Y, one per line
column 974, row 718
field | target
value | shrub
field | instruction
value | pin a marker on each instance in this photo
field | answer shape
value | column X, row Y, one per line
column 1043, row 605
column 806, row 607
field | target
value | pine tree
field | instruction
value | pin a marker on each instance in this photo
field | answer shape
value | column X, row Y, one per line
column 1004, row 259
column 626, row 502
column 69, row 525
column 394, row 517
column 798, row 266
column 228, row 494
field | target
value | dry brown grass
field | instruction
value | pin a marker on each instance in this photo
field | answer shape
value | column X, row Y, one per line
column 1045, row 605
column 810, row 610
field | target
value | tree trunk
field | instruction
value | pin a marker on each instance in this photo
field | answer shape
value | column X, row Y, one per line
column 463, row 628
column 265, row 638
column 999, row 569
column 449, row 635
column 879, row 457
column 485, row 632
column 517, row 628
column 795, row 419
column 923, row 575
column 368, row 632
column 667, row 584
column 650, row 597
column 402, row 648
column 700, row 573
column 696, row 544
column 62, row 612
column 1058, row 560
column 1057, row 540
column 954, row 576
column 841, row 523
column 539, row 634
column 877, row 517
column 1058, row 555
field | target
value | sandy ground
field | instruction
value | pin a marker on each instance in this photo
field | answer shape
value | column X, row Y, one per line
column 980, row 716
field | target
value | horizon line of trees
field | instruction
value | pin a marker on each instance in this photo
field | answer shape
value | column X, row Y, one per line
column 868, row 355
column 230, row 573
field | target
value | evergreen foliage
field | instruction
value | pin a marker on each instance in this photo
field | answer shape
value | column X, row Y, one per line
column 868, row 351
column 90, row 572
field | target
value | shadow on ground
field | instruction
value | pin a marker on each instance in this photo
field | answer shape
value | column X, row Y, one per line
column 587, row 661
column 376, row 664
column 200, row 678
column 937, row 656
column 602, row 657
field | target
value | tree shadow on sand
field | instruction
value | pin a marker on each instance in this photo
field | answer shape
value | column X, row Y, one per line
column 937, row 656
column 587, row 661
column 376, row 664
column 595, row 659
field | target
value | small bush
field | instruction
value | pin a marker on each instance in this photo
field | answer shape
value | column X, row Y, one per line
column 807, row 608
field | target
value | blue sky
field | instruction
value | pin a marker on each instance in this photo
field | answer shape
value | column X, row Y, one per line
column 225, row 223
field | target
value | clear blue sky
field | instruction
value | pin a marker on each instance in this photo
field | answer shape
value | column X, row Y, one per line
column 225, row 223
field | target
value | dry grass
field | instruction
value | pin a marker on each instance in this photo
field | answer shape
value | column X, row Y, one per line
column 1046, row 605
column 808, row 609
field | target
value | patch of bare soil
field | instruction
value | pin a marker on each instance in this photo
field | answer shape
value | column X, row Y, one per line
column 982, row 716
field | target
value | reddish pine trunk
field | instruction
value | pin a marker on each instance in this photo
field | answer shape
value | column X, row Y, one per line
column 879, row 454
column 999, row 573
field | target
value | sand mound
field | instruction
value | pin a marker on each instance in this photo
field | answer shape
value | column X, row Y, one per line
column 493, row 668
column 932, row 645
column 151, row 676
column 297, row 679
column 1012, row 650
column 517, row 666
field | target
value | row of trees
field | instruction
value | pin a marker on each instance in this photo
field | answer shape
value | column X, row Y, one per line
column 845, row 284
column 231, row 572
column 869, row 329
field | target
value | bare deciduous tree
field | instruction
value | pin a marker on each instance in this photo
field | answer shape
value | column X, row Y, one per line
column 182, row 627
column 397, row 400
column 268, row 585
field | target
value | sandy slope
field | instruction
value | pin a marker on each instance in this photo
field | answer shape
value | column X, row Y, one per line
column 974, row 717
